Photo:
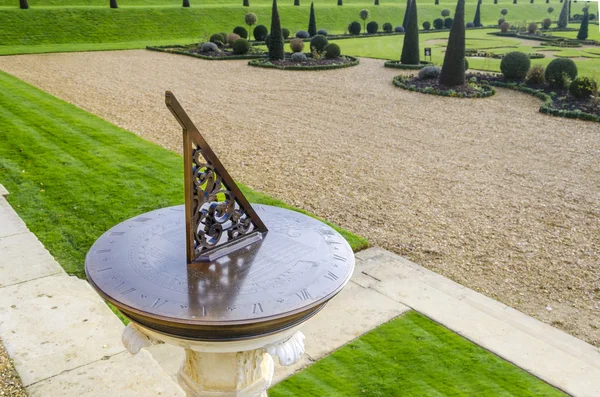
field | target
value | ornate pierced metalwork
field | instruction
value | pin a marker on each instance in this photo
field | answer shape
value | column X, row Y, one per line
column 219, row 218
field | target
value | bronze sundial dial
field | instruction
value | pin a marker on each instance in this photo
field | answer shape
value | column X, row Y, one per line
column 218, row 268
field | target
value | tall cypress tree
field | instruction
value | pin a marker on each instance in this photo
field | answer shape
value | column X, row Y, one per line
column 23, row 4
column 562, row 19
column 569, row 11
column 276, row 46
column 113, row 4
column 410, row 49
column 246, row 3
column 405, row 20
column 340, row 2
column 376, row 2
column 312, row 22
column 186, row 3
column 296, row 2
column 477, row 20
column 453, row 69
column 583, row 29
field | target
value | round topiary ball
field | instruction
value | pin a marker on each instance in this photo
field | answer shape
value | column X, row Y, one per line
column 560, row 71
column 298, row 57
column 448, row 23
column 387, row 27
column 438, row 23
column 426, row 25
column 241, row 31
column 231, row 37
column 501, row 21
column 322, row 32
column 583, row 87
column 240, row 47
column 302, row 34
column 217, row 38
column 515, row 65
column 209, row 47
column 532, row 28
column 332, row 50
column 285, row 32
column 470, row 25
column 260, row 33
column 372, row 27
column 318, row 43
column 399, row 29
column 297, row 45
column 429, row 72
column 354, row 28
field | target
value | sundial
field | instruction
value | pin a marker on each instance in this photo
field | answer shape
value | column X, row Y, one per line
column 218, row 268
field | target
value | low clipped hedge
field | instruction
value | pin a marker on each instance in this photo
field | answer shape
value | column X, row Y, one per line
column 403, row 82
column 546, row 107
column 261, row 63
column 183, row 50
column 399, row 65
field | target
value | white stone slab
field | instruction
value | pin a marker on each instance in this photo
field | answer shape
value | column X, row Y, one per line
column 554, row 356
column 23, row 258
column 122, row 375
column 54, row 324
column 10, row 223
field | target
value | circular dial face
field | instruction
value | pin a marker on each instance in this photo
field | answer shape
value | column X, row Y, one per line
column 140, row 264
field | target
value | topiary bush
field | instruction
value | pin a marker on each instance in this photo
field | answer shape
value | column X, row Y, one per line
column 260, row 33
column 318, row 43
column 470, row 25
column 231, row 37
column 583, row 87
column 298, row 57
column 438, row 23
column 387, row 27
column 501, row 21
column 448, row 23
column 372, row 27
column 429, row 72
column 466, row 64
column 297, row 45
column 560, row 72
column 426, row 25
column 354, row 28
column 241, row 31
column 302, row 34
column 332, row 50
column 504, row 27
column 217, row 38
column 445, row 12
column 532, row 28
column 546, row 23
column 399, row 29
column 240, row 46
column 536, row 75
column 322, row 32
column 209, row 47
column 515, row 65
column 285, row 32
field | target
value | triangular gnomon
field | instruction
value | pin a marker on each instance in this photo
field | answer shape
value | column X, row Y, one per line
column 218, row 217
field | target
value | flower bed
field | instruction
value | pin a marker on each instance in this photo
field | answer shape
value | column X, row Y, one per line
column 193, row 50
column 556, row 102
column 310, row 64
column 431, row 86
column 485, row 54
column 399, row 65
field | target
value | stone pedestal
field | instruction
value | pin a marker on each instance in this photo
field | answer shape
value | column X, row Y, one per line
column 224, row 369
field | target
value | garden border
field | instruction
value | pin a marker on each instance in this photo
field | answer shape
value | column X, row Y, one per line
column 401, row 82
column 399, row 65
column 208, row 58
column 268, row 65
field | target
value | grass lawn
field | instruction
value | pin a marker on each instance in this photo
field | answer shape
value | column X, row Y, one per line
column 72, row 175
column 412, row 356
column 75, row 25
column 390, row 47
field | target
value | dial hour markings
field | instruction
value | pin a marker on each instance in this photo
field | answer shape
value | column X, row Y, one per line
column 339, row 258
column 257, row 308
column 304, row 294
column 158, row 303
column 331, row 276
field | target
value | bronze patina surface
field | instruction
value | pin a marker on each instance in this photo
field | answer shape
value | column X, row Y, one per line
column 218, row 268
column 140, row 266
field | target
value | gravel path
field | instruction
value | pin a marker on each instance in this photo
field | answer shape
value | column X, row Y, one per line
column 10, row 383
column 488, row 192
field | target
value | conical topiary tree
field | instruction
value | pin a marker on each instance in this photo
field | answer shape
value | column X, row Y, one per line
column 296, row 2
column 569, row 11
column 376, row 2
column 340, row 2
column 23, row 4
column 477, row 19
column 186, row 3
column 276, row 46
column 583, row 29
column 246, row 3
column 453, row 69
column 312, row 22
column 113, row 4
column 563, row 20
column 410, row 49
column 405, row 20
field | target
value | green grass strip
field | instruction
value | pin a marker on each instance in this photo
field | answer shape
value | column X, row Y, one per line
column 412, row 356
column 73, row 175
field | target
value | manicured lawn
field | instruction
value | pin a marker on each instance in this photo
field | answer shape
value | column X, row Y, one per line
column 412, row 356
column 72, row 175
column 90, row 24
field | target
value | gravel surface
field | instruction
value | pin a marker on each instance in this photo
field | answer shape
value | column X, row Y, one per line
column 10, row 383
column 488, row 192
